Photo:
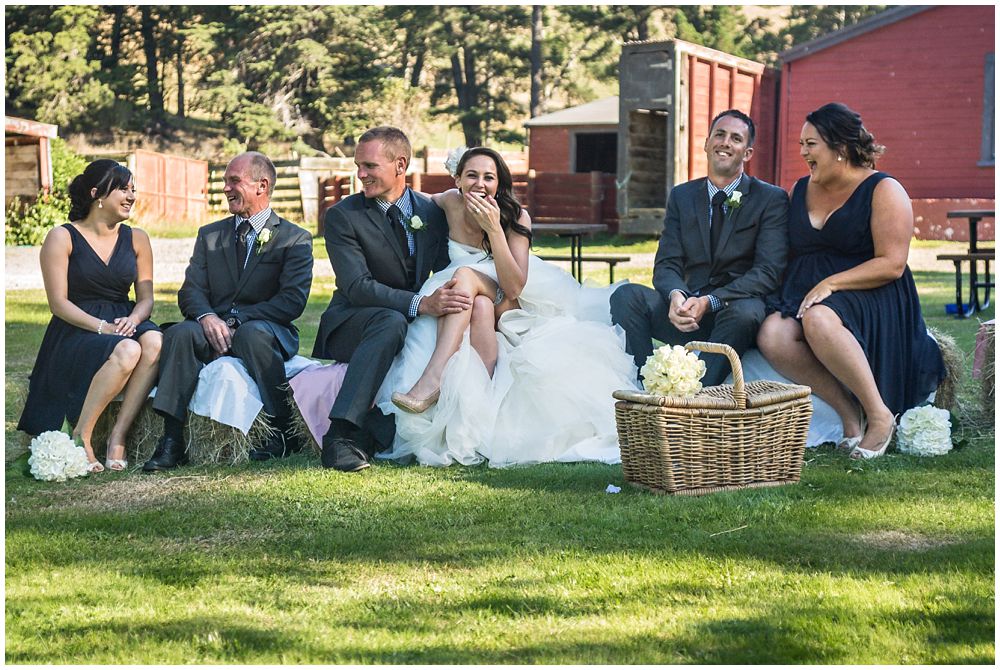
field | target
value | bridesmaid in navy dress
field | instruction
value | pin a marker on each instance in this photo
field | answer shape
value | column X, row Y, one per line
column 847, row 318
column 98, row 342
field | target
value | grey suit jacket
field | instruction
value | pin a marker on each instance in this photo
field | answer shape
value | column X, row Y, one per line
column 274, row 286
column 752, row 251
column 368, row 263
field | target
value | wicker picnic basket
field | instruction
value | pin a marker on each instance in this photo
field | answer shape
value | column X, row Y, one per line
column 723, row 438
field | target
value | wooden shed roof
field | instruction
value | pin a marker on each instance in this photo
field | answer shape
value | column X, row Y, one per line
column 602, row 112
column 875, row 22
column 15, row 126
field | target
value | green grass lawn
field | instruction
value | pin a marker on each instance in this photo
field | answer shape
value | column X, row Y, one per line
column 889, row 561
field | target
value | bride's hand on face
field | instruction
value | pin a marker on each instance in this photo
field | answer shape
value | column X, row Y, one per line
column 484, row 211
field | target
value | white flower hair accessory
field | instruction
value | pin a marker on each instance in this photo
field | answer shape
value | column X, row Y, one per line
column 56, row 458
column 416, row 223
column 673, row 371
column 263, row 238
column 925, row 431
column 454, row 156
column 734, row 201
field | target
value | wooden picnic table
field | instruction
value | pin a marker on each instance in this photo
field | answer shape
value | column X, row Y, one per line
column 975, row 255
column 575, row 232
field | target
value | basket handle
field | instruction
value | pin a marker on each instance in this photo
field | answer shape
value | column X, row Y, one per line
column 739, row 388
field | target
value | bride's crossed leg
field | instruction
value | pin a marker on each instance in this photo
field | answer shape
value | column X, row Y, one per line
column 480, row 320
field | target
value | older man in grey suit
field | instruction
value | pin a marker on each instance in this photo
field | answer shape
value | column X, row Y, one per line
column 723, row 248
column 383, row 244
column 248, row 280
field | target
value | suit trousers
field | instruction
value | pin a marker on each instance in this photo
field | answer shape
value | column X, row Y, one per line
column 186, row 351
column 643, row 314
column 368, row 341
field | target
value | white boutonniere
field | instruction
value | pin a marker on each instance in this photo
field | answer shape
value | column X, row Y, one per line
column 263, row 238
column 734, row 201
column 416, row 223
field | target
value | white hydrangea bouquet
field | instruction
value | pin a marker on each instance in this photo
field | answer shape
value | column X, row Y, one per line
column 673, row 371
column 56, row 458
column 925, row 431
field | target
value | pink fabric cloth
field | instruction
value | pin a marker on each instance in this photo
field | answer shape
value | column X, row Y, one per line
column 314, row 390
column 982, row 342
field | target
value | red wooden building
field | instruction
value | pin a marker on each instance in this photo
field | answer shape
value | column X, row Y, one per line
column 922, row 79
column 578, row 139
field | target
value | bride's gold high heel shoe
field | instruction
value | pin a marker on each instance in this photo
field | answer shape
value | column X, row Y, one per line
column 408, row 403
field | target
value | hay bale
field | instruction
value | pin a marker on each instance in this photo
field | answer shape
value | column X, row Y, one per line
column 987, row 373
column 142, row 436
column 208, row 441
column 300, row 429
column 954, row 365
column 215, row 443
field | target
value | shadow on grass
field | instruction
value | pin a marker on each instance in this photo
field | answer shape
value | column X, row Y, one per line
column 684, row 628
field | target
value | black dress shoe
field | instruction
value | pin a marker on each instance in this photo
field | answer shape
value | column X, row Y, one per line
column 341, row 453
column 169, row 454
column 278, row 445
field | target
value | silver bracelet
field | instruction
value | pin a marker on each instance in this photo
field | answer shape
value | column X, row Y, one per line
column 100, row 327
column 499, row 298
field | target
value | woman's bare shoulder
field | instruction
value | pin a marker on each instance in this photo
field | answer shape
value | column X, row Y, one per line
column 447, row 198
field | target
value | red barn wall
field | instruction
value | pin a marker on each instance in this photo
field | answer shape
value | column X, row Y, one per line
column 548, row 149
column 918, row 85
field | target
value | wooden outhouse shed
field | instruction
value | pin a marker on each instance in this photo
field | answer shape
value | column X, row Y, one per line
column 669, row 93
column 27, row 158
column 922, row 79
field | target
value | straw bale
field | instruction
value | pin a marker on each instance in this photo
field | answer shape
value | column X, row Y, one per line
column 300, row 430
column 988, row 379
column 142, row 436
column 215, row 443
column 954, row 365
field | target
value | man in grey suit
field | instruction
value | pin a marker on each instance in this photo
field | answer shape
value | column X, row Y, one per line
column 723, row 248
column 248, row 280
column 383, row 244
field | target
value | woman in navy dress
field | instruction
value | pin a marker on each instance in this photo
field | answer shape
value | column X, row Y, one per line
column 98, row 342
column 847, row 318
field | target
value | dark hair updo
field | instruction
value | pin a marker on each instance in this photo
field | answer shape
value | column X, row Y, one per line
column 842, row 130
column 105, row 175
column 510, row 209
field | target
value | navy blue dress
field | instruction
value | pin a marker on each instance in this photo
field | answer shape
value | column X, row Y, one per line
column 69, row 357
column 886, row 321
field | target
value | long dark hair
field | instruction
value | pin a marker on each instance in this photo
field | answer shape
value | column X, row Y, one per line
column 510, row 208
column 105, row 175
column 841, row 129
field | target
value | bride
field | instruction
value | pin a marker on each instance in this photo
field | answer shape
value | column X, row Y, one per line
column 526, row 374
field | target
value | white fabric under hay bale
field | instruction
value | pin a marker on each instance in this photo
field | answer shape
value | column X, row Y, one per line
column 225, row 418
column 227, row 394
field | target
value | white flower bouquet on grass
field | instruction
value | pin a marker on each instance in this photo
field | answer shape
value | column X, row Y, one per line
column 56, row 458
column 925, row 431
column 673, row 371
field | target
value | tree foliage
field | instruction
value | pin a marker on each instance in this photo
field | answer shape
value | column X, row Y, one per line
column 317, row 75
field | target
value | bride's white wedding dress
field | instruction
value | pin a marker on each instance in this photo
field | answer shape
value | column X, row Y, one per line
column 549, row 399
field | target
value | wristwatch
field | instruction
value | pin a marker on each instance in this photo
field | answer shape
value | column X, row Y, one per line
column 233, row 322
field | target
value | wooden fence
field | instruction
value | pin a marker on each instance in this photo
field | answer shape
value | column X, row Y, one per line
column 171, row 188
column 548, row 196
column 286, row 200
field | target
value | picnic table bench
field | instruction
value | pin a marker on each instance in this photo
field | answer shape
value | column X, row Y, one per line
column 611, row 259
